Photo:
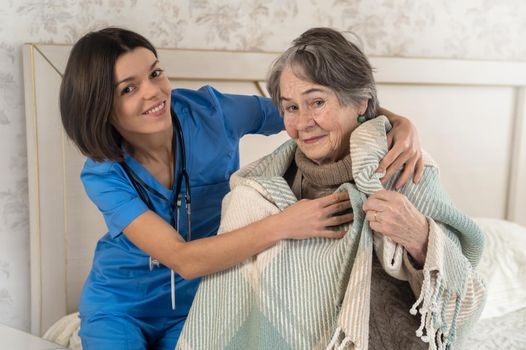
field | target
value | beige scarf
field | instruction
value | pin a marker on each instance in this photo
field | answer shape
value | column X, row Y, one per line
column 313, row 181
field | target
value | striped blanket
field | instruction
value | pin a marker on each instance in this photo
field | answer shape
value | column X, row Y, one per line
column 314, row 294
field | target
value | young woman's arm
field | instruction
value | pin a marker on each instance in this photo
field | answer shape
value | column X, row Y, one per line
column 404, row 144
column 305, row 219
column 404, row 150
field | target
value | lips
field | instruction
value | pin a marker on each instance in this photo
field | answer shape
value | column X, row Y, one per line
column 312, row 139
column 156, row 110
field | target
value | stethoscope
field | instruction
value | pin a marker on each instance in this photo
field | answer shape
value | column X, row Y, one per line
column 175, row 205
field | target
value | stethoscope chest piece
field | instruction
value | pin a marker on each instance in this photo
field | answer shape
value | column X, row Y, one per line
column 153, row 263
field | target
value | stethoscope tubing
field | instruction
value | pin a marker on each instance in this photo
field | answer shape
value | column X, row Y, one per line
column 178, row 146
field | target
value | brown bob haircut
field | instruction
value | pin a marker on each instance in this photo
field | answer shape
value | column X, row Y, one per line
column 88, row 88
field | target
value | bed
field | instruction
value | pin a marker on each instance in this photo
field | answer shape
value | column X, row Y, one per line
column 471, row 116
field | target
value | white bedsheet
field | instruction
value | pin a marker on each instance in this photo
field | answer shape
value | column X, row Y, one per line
column 506, row 332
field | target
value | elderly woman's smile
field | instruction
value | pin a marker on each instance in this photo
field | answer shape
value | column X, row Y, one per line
column 315, row 118
column 313, row 139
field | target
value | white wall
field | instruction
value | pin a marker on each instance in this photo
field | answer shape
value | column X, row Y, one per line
column 470, row 29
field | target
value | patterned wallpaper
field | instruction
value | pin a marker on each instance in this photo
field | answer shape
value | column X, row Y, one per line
column 467, row 29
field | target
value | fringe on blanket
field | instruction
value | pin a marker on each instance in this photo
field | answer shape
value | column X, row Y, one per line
column 434, row 328
column 344, row 343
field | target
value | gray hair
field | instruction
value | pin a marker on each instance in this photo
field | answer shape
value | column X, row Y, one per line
column 325, row 57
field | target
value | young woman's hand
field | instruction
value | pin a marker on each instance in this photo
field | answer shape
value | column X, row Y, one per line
column 404, row 151
column 313, row 218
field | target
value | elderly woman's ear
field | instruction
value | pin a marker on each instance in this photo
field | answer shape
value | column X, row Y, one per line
column 362, row 107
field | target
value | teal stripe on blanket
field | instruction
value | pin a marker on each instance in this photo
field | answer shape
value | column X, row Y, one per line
column 314, row 294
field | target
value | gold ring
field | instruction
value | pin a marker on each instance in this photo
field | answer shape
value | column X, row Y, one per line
column 375, row 214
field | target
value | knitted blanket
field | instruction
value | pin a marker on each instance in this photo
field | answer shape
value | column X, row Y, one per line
column 314, row 294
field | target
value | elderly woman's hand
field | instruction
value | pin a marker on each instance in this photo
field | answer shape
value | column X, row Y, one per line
column 393, row 215
column 405, row 151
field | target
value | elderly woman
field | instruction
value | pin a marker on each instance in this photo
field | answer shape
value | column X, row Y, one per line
column 405, row 248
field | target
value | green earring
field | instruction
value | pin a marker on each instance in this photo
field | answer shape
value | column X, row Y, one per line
column 361, row 119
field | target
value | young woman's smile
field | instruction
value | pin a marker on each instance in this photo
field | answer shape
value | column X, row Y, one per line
column 142, row 95
column 157, row 110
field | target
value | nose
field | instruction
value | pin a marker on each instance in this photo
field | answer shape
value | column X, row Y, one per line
column 150, row 90
column 305, row 119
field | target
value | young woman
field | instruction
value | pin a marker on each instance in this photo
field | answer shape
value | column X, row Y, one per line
column 153, row 151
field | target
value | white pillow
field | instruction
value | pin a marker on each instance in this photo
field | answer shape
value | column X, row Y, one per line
column 503, row 266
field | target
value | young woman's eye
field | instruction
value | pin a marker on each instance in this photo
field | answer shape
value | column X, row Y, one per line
column 127, row 90
column 156, row 73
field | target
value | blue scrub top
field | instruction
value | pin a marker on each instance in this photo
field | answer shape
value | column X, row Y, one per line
column 120, row 281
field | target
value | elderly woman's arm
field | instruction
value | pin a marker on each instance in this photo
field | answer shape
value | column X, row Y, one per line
column 432, row 259
column 444, row 251
column 404, row 150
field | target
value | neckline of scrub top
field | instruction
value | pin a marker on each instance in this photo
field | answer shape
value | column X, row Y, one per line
column 147, row 177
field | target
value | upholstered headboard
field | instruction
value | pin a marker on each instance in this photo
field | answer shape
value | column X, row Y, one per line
column 471, row 116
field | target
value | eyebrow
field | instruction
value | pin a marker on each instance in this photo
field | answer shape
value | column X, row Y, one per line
column 306, row 92
column 132, row 77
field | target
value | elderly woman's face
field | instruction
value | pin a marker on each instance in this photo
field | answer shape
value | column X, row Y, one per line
column 315, row 119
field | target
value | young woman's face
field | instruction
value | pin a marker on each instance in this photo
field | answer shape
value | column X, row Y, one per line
column 315, row 119
column 142, row 95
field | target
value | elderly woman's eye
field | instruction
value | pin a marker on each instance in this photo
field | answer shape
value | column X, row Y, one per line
column 319, row 103
column 291, row 108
